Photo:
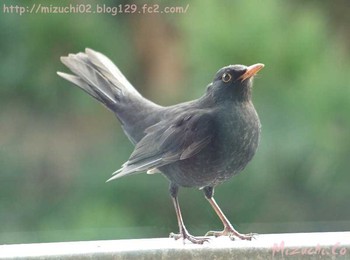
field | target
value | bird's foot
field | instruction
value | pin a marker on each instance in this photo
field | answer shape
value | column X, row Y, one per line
column 185, row 235
column 231, row 233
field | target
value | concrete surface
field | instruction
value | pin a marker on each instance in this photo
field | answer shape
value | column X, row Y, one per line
column 327, row 245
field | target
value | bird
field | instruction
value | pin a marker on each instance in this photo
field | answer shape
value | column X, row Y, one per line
column 199, row 144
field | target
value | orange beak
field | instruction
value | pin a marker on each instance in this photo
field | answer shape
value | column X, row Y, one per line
column 251, row 71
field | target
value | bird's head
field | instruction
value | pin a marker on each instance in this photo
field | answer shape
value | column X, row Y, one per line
column 233, row 82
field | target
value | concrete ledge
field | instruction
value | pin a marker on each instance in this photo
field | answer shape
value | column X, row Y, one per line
column 328, row 245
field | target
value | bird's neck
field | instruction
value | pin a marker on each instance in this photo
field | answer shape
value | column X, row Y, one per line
column 242, row 100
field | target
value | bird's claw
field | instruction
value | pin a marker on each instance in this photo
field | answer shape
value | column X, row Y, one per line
column 186, row 235
column 232, row 234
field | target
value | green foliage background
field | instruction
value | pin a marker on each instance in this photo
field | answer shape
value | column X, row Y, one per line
column 58, row 146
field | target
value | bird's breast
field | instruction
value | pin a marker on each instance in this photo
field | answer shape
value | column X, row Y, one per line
column 238, row 139
column 233, row 145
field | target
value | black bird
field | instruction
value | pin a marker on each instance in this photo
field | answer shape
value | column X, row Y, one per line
column 200, row 143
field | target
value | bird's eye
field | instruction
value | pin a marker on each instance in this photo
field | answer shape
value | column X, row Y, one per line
column 226, row 77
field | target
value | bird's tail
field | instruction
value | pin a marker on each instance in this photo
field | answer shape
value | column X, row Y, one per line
column 99, row 77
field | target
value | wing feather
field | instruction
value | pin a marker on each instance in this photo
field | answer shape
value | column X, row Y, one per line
column 169, row 141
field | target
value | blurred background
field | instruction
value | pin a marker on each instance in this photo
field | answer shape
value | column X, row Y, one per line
column 58, row 146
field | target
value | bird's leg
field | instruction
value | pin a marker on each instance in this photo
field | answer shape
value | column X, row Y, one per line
column 183, row 233
column 228, row 228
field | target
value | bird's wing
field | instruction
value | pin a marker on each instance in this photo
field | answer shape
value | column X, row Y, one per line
column 169, row 141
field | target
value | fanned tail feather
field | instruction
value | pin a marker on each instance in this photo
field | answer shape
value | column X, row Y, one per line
column 98, row 76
